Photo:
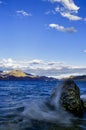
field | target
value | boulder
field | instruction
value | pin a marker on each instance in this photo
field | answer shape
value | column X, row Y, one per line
column 69, row 97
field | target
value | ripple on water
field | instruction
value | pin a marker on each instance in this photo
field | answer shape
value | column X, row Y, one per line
column 21, row 109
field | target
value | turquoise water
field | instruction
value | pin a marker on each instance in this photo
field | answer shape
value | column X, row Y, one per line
column 22, row 107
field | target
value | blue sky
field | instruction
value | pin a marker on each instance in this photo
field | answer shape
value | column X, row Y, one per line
column 47, row 30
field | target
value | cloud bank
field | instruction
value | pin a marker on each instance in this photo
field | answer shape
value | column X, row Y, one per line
column 43, row 68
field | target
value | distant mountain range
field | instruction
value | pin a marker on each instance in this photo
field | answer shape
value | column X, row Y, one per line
column 20, row 75
column 76, row 78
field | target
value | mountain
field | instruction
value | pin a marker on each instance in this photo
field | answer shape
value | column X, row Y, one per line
column 20, row 75
column 78, row 78
column 15, row 73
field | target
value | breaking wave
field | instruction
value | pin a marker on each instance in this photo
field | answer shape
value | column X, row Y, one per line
column 39, row 110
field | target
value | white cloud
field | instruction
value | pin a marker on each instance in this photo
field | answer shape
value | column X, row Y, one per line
column 67, row 14
column 62, row 28
column 59, row 9
column 23, row 13
column 68, row 9
column 68, row 4
column 40, row 67
column 70, row 16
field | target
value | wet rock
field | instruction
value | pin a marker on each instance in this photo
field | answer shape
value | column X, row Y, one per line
column 69, row 98
column 84, row 103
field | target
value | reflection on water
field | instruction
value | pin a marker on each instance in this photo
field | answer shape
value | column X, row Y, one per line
column 23, row 107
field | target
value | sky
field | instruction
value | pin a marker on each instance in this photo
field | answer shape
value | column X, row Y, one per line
column 44, row 37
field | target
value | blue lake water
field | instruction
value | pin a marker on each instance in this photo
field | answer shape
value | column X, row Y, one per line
column 22, row 107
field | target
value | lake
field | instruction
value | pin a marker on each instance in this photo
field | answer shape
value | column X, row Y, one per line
column 22, row 107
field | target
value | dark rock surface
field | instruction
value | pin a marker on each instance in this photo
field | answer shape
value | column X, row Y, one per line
column 69, row 98
column 84, row 103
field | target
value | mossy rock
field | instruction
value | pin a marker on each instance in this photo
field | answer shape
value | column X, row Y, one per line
column 70, row 98
column 84, row 104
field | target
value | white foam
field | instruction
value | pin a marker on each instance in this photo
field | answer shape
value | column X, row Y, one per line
column 56, row 96
column 83, row 97
column 38, row 110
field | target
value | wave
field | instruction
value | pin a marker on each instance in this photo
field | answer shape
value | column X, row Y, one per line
column 39, row 110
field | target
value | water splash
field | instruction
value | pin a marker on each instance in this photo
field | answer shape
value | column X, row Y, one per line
column 55, row 96
column 83, row 97
column 39, row 110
